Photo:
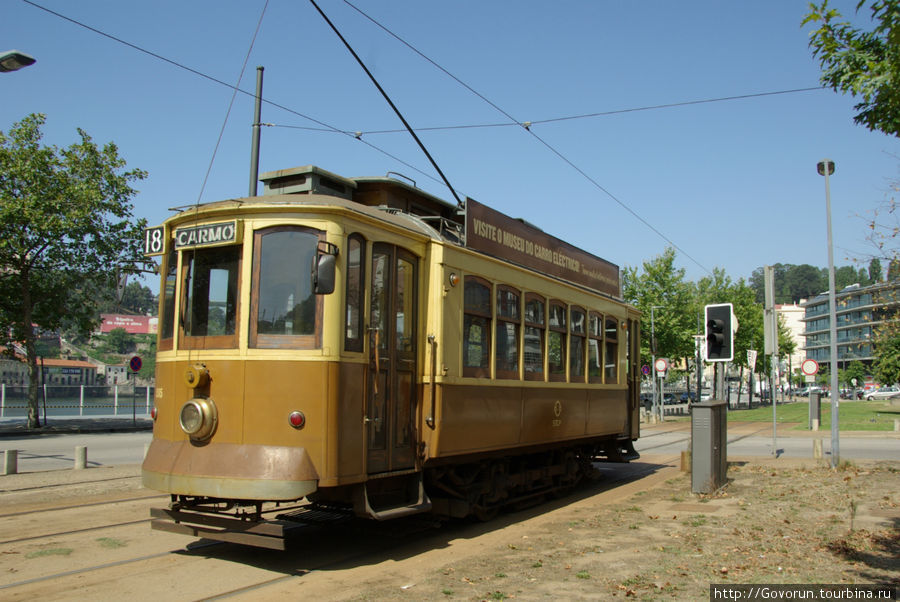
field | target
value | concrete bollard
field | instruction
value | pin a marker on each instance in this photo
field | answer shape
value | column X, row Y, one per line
column 817, row 449
column 896, row 426
column 815, row 424
column 10, row 461
column 80, row 457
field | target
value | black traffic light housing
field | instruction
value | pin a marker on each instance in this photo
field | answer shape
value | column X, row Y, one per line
column 719, row 333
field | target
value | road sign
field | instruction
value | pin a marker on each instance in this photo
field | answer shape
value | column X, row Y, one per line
column 645, row 370
column 751, row 358
column 135, row 363
column 809, row 367
column 661, row 366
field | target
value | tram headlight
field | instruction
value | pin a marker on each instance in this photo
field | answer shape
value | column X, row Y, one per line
column 199, row 418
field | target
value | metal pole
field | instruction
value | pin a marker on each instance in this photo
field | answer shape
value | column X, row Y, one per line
column 254, row 150
column 826, row 168
column 653, row 362
column 774, row 404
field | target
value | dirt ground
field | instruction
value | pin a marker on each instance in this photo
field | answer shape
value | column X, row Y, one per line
column 776, row 521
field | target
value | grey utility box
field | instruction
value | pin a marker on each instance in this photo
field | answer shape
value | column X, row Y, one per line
column 709, row 438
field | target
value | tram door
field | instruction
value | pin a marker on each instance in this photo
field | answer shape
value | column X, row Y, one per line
column 392, row 360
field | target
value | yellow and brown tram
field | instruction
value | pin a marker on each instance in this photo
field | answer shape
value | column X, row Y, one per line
column 361, row 344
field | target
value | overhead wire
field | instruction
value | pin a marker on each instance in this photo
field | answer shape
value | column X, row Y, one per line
column 358, row 135
column 325, row 126
column 212, row 159
column 550, row 147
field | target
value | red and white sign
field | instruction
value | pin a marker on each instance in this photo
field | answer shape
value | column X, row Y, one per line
column 131, row 324
column 661, row 366
column 809, row 367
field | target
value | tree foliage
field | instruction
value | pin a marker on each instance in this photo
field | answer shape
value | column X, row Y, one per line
column 66, row 226
column 863, row 63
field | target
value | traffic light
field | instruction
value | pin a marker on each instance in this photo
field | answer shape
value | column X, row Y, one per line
column 719, row 333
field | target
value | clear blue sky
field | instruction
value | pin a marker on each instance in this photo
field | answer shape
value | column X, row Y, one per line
column 733, row 184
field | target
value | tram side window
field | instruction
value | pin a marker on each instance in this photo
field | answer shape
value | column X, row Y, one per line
column 477, row 328
column 612, row 354
column 287, row 312
column 353, row 335
column 595, row 347
column 211, row 294
column 535, row 323
column 167, row 328
column 509, row 317
column 556, row 342
column 576, row 344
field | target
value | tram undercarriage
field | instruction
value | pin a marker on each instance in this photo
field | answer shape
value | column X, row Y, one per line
column 480, row 488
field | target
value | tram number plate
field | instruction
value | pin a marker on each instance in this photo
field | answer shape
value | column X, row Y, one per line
column 155, row 240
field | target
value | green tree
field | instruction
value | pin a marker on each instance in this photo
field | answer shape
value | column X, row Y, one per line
column 864, row 63
column 119, row 341
column 136, row 299
column 856, row 370
column 66, row 224
column 662, row 286
column 875, row 272
column 886, row 366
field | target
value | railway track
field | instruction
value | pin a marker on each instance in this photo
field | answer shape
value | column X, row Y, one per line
column 106, row 549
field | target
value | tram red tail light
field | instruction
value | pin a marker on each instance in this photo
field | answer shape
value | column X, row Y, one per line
column 297, row 420
column 154, row 413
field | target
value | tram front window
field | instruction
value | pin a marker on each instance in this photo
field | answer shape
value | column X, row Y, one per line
column 287, row 309
column 211, row 291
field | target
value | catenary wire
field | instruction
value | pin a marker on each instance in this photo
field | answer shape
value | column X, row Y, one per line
column 325, row 127
column 546, row 144
column 234, row 92
column 358, row 135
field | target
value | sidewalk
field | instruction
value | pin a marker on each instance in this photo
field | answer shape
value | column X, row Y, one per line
column 56, row 425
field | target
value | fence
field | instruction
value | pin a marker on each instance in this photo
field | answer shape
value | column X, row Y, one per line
column 74, row 400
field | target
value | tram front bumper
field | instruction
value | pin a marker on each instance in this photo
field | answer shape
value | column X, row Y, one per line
column 229, row 471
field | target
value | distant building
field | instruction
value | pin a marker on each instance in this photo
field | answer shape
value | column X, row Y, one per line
column 792, row 317
column 131, row 324
column 14, row 372
column 116, row 375
column 860, row 310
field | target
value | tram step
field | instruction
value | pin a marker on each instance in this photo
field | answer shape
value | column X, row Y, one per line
column 422, row 503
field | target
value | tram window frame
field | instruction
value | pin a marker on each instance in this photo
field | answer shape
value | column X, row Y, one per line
column 167, row 301
column 508, row 315
column 577, row 334
column 557, row 337
column 258, row 340
column 477, row 316
column 595, row 342
column 354, row 338
column 189, row 279
column 535, row 327
column 611, row 351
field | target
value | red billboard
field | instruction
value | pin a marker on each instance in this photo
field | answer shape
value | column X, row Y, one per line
column 131, row 324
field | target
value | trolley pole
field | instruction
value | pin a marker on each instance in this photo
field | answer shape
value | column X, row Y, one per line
column 254, row 151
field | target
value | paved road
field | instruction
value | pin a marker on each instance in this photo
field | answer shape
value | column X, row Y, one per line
column 755, row 439
column 122, row 443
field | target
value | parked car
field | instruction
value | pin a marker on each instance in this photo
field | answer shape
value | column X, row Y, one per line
column 884, row 393
column 669, row 399
column 688, row 397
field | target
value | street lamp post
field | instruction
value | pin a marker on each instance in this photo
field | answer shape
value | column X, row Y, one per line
column 826, row 168
column 657, row 406
column 13, row 60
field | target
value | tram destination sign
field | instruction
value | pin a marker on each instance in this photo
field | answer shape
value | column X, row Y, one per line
column 501, row 236
column 208, row 235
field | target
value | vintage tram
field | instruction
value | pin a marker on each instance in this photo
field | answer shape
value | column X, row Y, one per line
column 360, row 344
